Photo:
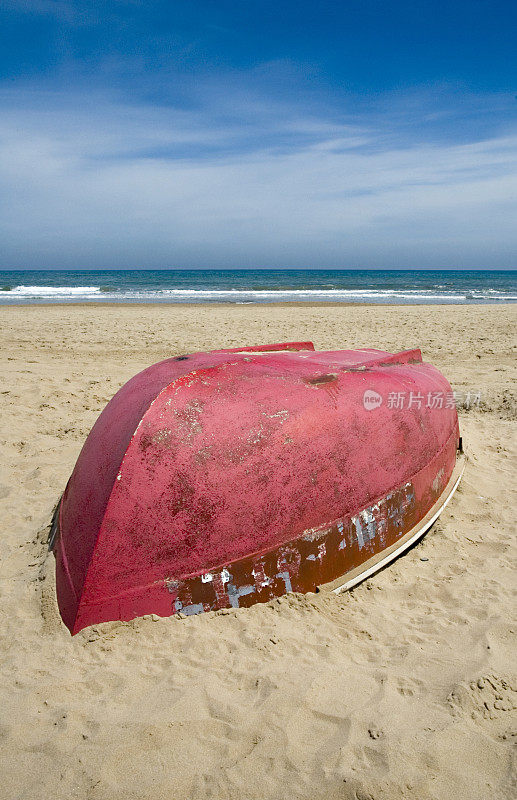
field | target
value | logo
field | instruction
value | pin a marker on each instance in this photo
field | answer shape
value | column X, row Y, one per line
column 371, row 400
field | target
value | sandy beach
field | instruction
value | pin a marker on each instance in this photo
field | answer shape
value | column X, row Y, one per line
column 403, row 688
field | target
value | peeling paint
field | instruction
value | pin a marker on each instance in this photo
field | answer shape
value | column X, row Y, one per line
column 314, row 534
column 359, row 532
column 438, row 480
column 287, row 580
column 194, row 608
column 304, row 563
column 282, row 415
column 259, row 574
column 235, row 592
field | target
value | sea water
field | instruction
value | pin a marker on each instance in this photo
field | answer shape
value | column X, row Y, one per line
column 258, row 286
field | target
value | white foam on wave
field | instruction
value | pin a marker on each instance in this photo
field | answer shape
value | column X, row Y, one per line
column 54, row 291
column 295, row 294
column 493, row 296
column 26, row 292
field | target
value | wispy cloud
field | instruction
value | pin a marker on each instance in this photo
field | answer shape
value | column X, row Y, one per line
column 240, row 179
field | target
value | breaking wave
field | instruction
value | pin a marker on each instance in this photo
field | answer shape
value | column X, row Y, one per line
column 256, row 286
column 54, row 291
column 109, row 293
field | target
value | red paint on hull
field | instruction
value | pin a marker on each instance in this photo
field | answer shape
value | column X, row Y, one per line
column 230, row 477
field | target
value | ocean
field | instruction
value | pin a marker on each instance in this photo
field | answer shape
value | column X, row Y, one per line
column 257, row 286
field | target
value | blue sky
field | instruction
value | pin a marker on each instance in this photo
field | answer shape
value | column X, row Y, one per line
column 258, row 134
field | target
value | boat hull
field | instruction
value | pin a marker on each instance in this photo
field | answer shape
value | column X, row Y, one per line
column 246, row 476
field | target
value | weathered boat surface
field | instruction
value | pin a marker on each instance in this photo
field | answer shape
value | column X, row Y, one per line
column 230, row 477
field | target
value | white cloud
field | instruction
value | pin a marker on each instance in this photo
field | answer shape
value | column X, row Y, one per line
column 90, row 182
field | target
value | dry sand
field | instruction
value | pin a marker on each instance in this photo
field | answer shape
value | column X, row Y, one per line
column 402, row 688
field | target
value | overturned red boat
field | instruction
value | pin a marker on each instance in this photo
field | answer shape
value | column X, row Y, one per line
column 227, row 478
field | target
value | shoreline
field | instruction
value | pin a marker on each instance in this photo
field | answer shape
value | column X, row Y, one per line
column 278, row 304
